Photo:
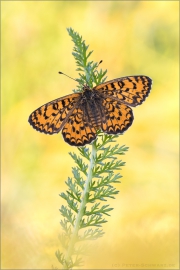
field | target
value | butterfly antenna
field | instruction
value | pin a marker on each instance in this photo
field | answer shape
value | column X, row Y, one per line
column 71, row 78
column 99, row 63
column 67, row 76
column 60, row 72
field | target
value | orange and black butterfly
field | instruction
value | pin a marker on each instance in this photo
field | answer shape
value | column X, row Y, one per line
column 104, row 107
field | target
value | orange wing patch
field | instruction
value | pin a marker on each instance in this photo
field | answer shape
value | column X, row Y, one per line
column 77, row 131
column 51, row 117
column 118, row 117
column 131, row 90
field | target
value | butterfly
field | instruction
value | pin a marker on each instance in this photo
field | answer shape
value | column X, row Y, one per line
column 105, row 107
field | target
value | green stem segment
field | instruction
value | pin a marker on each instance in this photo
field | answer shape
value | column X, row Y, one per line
column 84, row 200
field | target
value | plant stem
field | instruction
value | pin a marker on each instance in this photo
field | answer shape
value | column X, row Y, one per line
column 84, row 200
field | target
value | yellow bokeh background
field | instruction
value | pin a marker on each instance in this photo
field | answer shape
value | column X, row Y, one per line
column 131, row 37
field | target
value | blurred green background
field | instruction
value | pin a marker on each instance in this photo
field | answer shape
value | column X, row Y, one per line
column 132, row 37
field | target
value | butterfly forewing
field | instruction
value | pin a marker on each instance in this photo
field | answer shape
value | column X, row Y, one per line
column 131, row 90
column 51, row 117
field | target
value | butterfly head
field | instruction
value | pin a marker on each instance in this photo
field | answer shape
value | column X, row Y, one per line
column 86, row 88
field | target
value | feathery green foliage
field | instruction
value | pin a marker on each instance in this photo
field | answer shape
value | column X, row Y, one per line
column 93, row 177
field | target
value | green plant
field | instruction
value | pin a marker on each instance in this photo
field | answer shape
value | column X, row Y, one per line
column 93, row 177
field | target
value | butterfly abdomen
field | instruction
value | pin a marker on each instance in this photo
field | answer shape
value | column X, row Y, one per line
column 92, row 106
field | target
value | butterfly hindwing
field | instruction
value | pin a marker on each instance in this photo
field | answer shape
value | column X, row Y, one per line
column 118, row 117
column 131, row 90
column 77, row 131
column 50, row 117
